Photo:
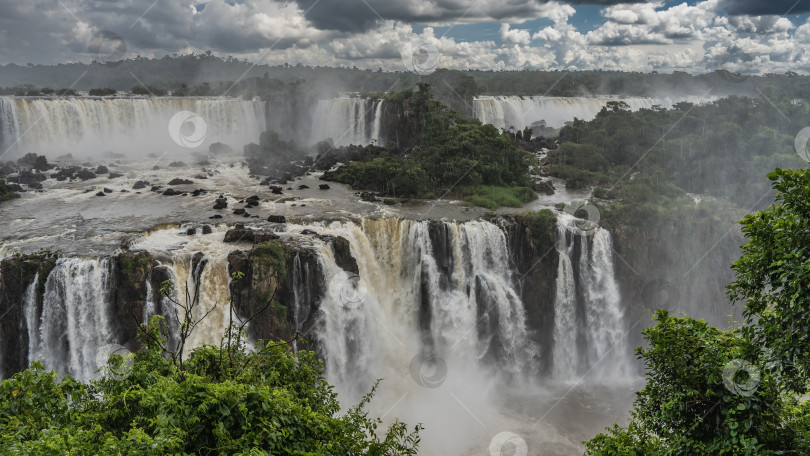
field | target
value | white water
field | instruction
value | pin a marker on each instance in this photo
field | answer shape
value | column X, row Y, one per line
column 123, row 125
column 506, row 112
column 436, row 314
column 75, row 321
column 347, row 120
column 605, row 357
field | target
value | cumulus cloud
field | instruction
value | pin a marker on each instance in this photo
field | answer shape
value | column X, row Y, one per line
column 640, row 36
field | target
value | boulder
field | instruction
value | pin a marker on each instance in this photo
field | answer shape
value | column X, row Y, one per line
column 277, row 219
column 178, row 181
column 248, row 235
column 323, row 186
column 303, row 187
column 107, row 190
column 114, row 175
column 102, row 170
column 276, row 190
column 206, row 229
column 216, row 216
column 171, row 192
column 140, row 184
column 101, row 194
column 85, row 174
column 178, row 164
column 221, row 202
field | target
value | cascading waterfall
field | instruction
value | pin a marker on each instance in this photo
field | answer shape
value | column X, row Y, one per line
column 517, row 112
column 418, row 296
column 75, row 321
column 565, row 311
column 92, row 125
column 348, row 120
column 588, row 307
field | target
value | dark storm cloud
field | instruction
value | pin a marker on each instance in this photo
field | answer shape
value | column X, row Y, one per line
column 362, row 15
column 763, row 7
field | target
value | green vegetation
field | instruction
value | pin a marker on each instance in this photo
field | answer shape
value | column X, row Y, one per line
column 435, row 151
column 5, row 192
column 542, row 225
column 773, row 277
column 272, row 254
column 102, row 92
column 734, row 392
column 221, row 400
column 721, row 149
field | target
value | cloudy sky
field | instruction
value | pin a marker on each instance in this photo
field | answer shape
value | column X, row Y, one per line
column 750, row 36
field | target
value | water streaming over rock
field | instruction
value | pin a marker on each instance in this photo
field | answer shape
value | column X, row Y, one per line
column 75, row 320
column 520, row 112
column 348, row 120
column 589, row 327
column 123, row 125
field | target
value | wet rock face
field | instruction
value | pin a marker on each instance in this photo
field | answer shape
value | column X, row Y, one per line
column 16, row 274
column 535, row 270
column 131, row 271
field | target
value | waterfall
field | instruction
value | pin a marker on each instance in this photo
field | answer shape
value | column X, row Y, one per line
column 122, row 125
column 517, row 112
column 425, row 287
column 589, row 327
column 75, row 321
column 565, row 317
column 348, row 120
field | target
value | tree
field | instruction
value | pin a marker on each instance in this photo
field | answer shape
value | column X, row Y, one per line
column 773, row 278
column 707, row 393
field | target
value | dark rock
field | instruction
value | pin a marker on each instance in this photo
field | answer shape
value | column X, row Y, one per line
column 178, row 164
column 114, row 175
column 140, row 184
column 303, row 187
column 191, row 231
column 389, row 201
column 216, row 216
column 178, row 181
column 221, row 202
column 276, row 190
column 198, row 192
column 155, row 168
column 248, row 235
column 107, row 190
column 324, row 186
column 102, row 170
column 14, row 187
column 201, row 176
column 124, row 191
column 206, row 229
column 171, row 192
column 101, row 194
column 308, row 232
column 277, row 219
column 86, row 174
column 546, row 187
column 155, row 188
column 368, row 196
column 239, row 211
